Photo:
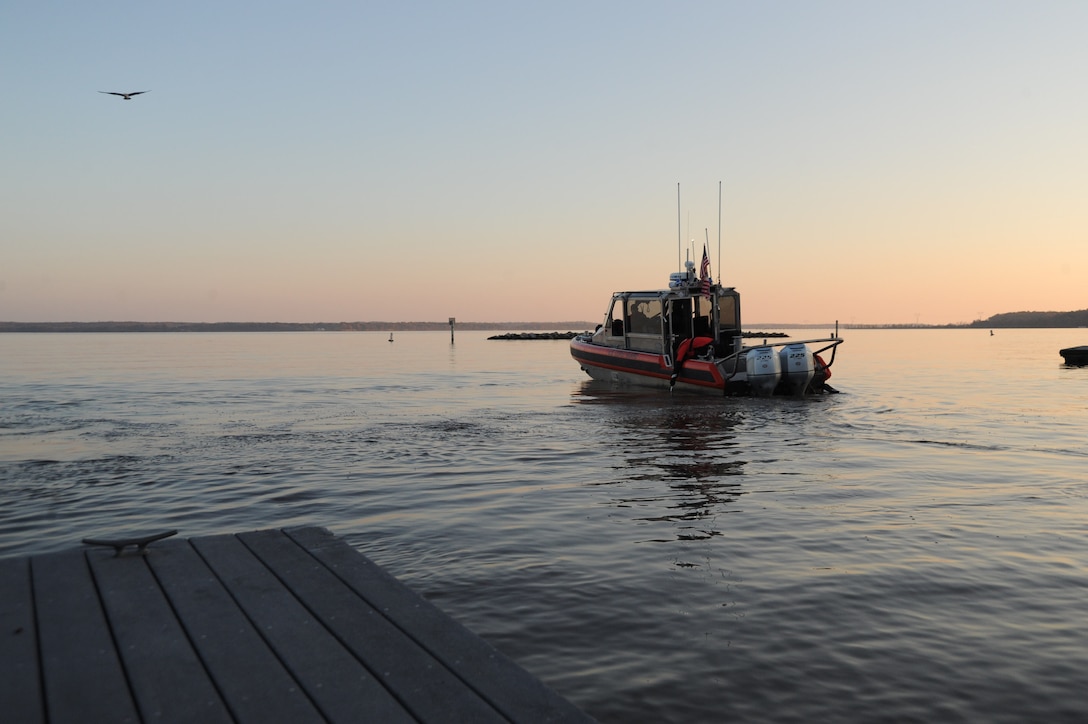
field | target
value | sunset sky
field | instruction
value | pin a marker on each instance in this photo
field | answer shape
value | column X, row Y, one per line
column 880, row 162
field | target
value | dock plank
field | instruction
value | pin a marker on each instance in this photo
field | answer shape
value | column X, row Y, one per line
column 428, row 689
column 506, row 686
column 343, row 689
column 20, row 690
column 274, row 626
column 250, row 677
column 168, row 679
column 82, row 676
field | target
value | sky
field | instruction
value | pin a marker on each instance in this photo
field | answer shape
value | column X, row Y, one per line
column 889, row 162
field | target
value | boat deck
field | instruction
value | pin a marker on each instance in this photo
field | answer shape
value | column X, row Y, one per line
column 268, row 626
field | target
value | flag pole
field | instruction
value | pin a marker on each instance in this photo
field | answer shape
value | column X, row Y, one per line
column 706, row 235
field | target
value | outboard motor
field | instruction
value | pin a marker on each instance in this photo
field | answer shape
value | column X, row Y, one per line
column 764, row 369
column 798, row 367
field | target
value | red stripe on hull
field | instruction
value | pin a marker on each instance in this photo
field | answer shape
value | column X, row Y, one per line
column 644, row 364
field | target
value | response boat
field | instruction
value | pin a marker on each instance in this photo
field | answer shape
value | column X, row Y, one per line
column 689, row 337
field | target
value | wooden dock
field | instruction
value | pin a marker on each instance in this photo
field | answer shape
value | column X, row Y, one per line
column 286, row 625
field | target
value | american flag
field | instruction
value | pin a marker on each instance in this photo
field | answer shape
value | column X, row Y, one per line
column 704, row 272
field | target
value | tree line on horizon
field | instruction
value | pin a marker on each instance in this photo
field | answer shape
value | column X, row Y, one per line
column 1036, row 319
column 1005, row 320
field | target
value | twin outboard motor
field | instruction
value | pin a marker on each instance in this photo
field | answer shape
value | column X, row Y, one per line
column 798, row 367
column 793, row 366
column 764, row 369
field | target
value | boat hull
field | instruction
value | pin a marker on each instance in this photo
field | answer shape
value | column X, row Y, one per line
column 646, row 369
column 1075, row 356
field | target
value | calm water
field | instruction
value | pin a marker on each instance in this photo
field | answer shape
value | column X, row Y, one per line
column 913, row 549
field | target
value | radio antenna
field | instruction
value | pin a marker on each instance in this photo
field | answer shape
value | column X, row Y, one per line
column 719, row 232
column 679, row 242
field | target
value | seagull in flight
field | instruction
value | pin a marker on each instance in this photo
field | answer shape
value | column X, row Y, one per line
column 126, row 96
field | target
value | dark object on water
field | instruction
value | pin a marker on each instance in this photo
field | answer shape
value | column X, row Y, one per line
column 1075, row 355
column 537, row 335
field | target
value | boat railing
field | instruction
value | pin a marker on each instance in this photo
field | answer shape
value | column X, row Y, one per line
column 834, row 342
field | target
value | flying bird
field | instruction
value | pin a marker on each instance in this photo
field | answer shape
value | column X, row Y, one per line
column 126, row 96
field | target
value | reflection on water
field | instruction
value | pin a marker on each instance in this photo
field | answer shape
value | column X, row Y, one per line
column 675, row 458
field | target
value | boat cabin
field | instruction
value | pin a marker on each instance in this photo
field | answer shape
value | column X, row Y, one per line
column 658, row 321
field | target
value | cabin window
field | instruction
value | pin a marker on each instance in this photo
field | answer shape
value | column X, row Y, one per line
column 644, row 316
column 613, row 323
column 729, row 314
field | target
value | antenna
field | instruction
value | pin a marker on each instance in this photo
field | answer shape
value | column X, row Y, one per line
column 687, row 229
column 679, row 266
column 719, row 232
